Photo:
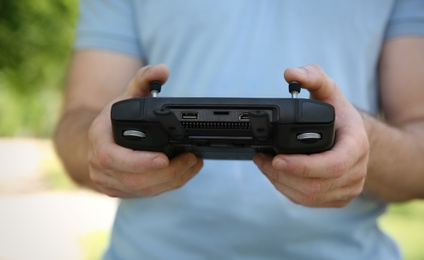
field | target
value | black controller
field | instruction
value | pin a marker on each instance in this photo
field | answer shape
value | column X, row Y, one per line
column 224, row 128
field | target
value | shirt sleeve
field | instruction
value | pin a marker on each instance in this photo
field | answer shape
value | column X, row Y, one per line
column 407, row 18
column 108, row 25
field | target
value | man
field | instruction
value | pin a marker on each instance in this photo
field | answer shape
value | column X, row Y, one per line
column 321, row 206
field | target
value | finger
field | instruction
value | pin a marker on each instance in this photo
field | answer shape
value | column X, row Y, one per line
column 107, row 184
column 109, row 155
column 264, row 163
column 102, row 179
column 346, row 152
column 177, row 166
column 140, row 85
column 313, row 78
column 117, row 193
column 177, row 183
column 318, row 186
column 336, row 198
column 114, row 157
column 127, row 185
column 311, row 186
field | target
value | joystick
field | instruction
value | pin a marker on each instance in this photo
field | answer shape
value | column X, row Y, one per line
column 294, row 88
column 155, row 88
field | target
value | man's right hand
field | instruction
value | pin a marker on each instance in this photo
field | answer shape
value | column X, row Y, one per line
column 126, row 173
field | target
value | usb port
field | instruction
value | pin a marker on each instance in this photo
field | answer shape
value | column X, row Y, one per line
column 189, row 115
column 244, row 116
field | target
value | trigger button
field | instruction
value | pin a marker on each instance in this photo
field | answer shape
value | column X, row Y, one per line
column 134, row 134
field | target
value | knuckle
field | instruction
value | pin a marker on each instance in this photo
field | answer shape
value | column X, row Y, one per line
column 361, row 174
column 96, row 179
column 146, row 192
column 339, row 204
column 173, row 173
column 188, row 161
column 357, row 191
column 180, row 185
column 143, row 163
column 133, row 181
column 92, row 160
column 307, row 200
column 188, row 176
column 183, row 179
column 274, row 174
column 337, row 169
column 314, row 187
column 300, row 169
column 113, row 193
column 104, row 159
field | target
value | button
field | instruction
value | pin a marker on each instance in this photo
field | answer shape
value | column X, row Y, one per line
column 134, row 134
column 308, row 138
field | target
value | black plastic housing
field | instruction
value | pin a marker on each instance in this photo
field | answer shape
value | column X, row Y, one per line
column 223, row 128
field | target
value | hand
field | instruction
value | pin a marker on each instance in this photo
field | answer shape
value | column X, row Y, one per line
column 125, row 173
column 328, row 179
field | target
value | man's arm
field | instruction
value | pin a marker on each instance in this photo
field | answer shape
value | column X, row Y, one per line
column 387, row 158
column 83, row 137
column 396, row 165
column 94, row 79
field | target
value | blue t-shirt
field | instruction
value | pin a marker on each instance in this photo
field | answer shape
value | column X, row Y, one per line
column 240, row 48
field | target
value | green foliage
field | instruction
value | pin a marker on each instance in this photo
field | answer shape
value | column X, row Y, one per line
column 35, row 46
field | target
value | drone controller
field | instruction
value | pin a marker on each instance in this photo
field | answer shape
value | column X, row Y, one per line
column 223, row 128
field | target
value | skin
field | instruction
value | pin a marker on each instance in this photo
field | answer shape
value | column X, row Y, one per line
column 83, row 137
column 331, row 178
column 382, row 160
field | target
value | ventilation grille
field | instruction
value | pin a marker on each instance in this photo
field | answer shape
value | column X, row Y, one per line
column 217, row 125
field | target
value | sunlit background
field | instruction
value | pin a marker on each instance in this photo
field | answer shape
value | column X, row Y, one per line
column 42, row 214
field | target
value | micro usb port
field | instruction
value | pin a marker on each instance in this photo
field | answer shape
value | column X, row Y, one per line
column 244, row 116
column 189, row 115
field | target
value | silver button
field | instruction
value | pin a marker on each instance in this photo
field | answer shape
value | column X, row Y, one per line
column 134, row 133
column 309, row 137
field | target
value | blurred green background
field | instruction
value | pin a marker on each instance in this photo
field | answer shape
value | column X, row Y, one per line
column 35, row 46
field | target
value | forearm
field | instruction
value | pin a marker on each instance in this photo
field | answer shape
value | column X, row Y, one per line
column 95, row 78
column 71, row 143
column 396, row 165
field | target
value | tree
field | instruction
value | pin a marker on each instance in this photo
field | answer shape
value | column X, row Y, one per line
column 35, row 45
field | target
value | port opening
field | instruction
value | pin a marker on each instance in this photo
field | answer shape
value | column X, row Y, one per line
column 221, row 113
column 244, row 116
column 189, row 115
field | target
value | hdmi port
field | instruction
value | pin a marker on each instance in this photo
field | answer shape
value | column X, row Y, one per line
column 244, row 116
column 189, row 115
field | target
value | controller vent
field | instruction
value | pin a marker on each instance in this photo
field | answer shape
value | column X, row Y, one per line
column 217, row 125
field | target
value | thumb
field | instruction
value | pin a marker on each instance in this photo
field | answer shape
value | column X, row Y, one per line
column 140, row 84
column 313, row 78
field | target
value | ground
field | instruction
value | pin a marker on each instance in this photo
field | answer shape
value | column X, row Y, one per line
column 42, row 215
